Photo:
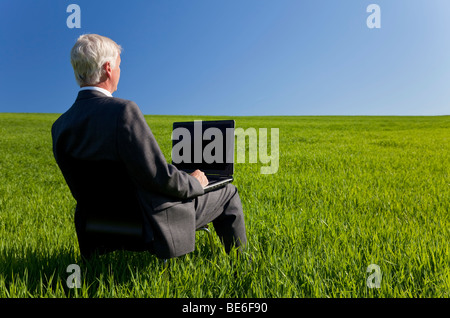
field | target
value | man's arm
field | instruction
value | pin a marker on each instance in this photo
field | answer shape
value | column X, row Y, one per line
column 139, row 150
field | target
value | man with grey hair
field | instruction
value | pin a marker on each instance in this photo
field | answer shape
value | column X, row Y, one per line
column 104, row 133
column 92, row 57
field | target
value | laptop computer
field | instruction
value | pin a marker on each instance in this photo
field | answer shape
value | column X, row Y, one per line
column 207, row 146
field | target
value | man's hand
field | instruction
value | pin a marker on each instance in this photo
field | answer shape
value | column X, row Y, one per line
column 200, row 176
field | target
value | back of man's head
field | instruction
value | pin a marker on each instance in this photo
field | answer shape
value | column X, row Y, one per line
column 89, row 54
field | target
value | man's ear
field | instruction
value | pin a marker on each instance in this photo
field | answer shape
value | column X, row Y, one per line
column 108, row 69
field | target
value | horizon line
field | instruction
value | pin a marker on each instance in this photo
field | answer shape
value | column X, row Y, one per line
column 274, row 115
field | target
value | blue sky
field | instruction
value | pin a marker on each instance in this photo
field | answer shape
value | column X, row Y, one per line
column 237, row 57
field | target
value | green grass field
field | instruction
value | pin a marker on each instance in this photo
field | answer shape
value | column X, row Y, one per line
column 349, row 192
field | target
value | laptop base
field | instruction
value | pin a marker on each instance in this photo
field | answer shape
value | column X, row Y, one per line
column 216, row 184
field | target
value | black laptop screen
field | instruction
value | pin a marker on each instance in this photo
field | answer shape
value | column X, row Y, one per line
column 204, row 145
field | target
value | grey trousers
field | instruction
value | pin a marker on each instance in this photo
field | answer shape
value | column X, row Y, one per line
column 223, row 208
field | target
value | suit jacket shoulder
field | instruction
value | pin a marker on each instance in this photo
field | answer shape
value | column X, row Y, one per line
column 97, row 127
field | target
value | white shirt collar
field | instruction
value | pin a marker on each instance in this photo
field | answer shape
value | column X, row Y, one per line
column 98, row 89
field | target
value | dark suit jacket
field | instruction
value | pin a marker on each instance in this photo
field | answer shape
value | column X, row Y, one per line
column 98, row 128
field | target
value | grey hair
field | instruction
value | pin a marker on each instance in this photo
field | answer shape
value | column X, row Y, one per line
column 89, row 54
